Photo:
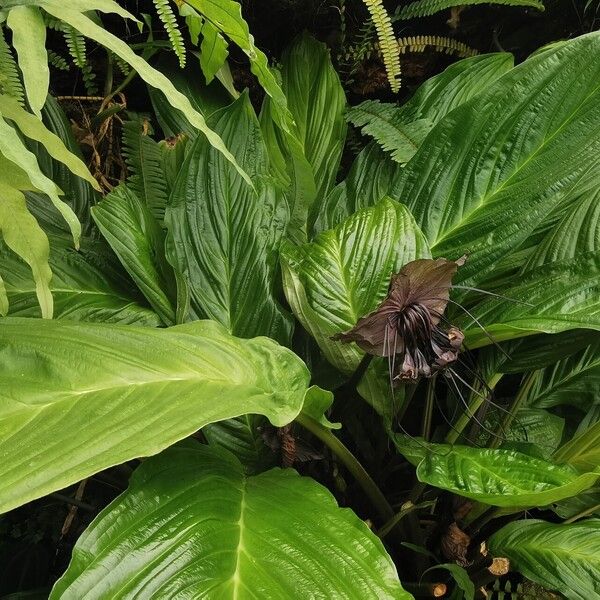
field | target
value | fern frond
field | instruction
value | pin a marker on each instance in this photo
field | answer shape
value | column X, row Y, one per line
column 424, row 8
column 144, row 160
column 57, row 61
column 76, row 45
column 167, row 16
column 387, row 42
column 445, row 45
column 385, row 123
column 122, row 65
column 10, row 82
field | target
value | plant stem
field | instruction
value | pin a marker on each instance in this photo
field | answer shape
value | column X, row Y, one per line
column 429, row 399
column 583, row 513
column 108, row 81
column 475, row 402
column 348, row 459
column 522, row 394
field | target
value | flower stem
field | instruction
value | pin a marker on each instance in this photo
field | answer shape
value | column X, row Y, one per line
column 348, row 459
column 476, row 400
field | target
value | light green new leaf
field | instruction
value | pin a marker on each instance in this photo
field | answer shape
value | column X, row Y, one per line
column 151, row 76
column 139, row 242
column 78, row 398
column 549, row 299
column 345, row 273
column 87, row 285
column 25, row 237
column 562, row 557
column 223, row 236
column 14, row 150
column 34, row 129
column 29, row 40
column 213, row 51
column 492, row 170
column 193, row 525
column 372, row 174
column 501, row 477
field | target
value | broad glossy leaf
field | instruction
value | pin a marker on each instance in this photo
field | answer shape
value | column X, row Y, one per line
column 317, row 102
column 29, row 40
column 86, row 285
column 139, row 242
column 151, row 76
column 584, row 502
column 372, row 174
column 576, row 233
column 501, row 477
column 562, row 557
column 25, row 237
column 345, row 273
column 192, row 525
column 223, row 236
column 538, row 427
column 495, row 167
column 556, row 297
column 80, row 397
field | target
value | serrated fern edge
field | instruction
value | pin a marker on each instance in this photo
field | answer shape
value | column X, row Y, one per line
column 167, row 16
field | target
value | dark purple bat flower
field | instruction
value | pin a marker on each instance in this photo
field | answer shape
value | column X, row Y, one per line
column 407, row 324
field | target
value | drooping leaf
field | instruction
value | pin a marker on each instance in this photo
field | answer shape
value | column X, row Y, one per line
column 223, row 236
column 15, row 151
column 86, row 26
column 372, row 174
column 139, row 242
column 482, row 189
column 86, row 285
column 501, row 477
column 553, row 298
column 29, row 40
column 345, row 273
column 229, row 536
column 562, row 557
column 25, row 237
column 80, row 397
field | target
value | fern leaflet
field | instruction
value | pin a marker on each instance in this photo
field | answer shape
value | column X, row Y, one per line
column 57, row 61
column 167, row 16
column 387, row 42
column 385, row 123
column 441, row 44
column 10, row 82
column 424, row 8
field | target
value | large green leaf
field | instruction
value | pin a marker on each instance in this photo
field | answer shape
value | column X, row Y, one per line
column 562, row 557
column 345, row 273
column 317, row 101
column 495, row 167
column 86, row 26
column 501, row 477
column 80, row 397
column 373, row 172
column 192, row 525
column 29, row 40
column 538, row 427
column 86, row 285
column 139, row 242
column 223, row 236
column 552, row 298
